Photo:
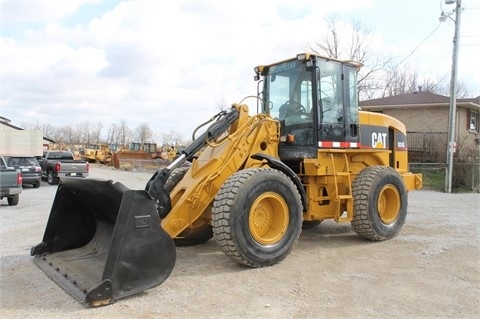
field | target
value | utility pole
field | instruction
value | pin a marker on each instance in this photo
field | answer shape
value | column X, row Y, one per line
column 453, row 98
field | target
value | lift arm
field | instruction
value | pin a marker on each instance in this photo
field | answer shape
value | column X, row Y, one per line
column 238, row 137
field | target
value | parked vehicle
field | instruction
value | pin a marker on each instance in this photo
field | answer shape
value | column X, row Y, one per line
column 29, row 167
column 57, row 164
column 10, row 183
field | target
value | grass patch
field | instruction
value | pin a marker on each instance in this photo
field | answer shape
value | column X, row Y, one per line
column 433, row 179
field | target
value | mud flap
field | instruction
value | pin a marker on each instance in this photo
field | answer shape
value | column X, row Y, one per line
column 104, row 241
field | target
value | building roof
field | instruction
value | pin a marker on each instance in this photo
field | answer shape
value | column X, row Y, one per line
column 417, row 98
column 6, row 122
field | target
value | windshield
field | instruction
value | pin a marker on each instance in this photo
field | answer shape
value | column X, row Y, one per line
column 289, row 87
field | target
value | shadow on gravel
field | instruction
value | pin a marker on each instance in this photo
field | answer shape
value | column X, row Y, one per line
column 330, row 234
column 208, row 258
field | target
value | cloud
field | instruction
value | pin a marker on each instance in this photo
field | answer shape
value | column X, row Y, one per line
column 15, row 12
column 167, row 63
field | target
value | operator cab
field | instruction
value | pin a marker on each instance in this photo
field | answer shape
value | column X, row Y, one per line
column 315, row 99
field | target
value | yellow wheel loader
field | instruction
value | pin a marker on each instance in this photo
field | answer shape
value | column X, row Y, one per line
column 252, row 182
column 96, row 152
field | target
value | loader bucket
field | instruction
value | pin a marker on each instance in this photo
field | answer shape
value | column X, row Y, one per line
column 103, row 242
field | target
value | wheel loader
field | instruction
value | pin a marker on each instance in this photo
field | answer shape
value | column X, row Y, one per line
column 250, row 181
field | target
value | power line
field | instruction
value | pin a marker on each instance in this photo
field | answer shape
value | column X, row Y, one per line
column 424, row 40
column 438, row 62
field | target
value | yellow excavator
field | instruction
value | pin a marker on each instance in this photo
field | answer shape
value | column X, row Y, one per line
column 252, row 182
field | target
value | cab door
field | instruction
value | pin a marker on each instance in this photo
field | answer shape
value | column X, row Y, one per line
column 337, row 103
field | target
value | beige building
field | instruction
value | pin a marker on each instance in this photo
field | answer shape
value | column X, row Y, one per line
column 426, row 117
column 6, row 125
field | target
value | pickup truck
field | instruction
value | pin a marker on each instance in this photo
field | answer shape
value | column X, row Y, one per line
column 57, row 164
column 10, row 183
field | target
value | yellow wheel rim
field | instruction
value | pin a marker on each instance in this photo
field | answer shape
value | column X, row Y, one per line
column 388, row 205
column 268, row 218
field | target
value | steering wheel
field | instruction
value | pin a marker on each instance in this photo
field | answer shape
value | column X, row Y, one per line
column 300, row 110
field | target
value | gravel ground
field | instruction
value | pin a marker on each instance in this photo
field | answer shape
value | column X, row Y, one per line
column 431, row 270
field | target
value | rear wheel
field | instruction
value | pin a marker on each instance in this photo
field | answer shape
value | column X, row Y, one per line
column 380, row 203
column 51, row 179
column 200, row 231
column 36, row 184
column 13, row 200
column 257, row 217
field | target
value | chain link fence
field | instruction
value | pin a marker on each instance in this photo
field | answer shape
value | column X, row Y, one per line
column 141, row 165
column 427, row 147
column 465, row 176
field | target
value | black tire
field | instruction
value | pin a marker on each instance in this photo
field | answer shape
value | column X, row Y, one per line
column 36, row 184
column 195, row 235
column 51, row 179
column 199, row 232
column 13, row 200
column 175, row 177
column 380, row 203
column 257, row 217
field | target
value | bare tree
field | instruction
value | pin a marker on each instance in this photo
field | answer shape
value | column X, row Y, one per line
column 143, row 133
column 48, row 130
column 399, row 81
column 59, row 135
column 123, row 134
column 351, row 42
column 96, row 132
column 462, row 90
column 172, row 138
column 112, row 134
column 84, row 135
column 379, row 76
column 402, row 80
column 120, row 134
column 222, row 105
column 31, row 126
column 68, row 134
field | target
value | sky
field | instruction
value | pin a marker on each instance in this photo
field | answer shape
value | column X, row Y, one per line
column 173, row 64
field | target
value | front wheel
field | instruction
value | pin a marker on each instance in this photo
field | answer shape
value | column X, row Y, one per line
column 380, row 203
column 257, row 217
